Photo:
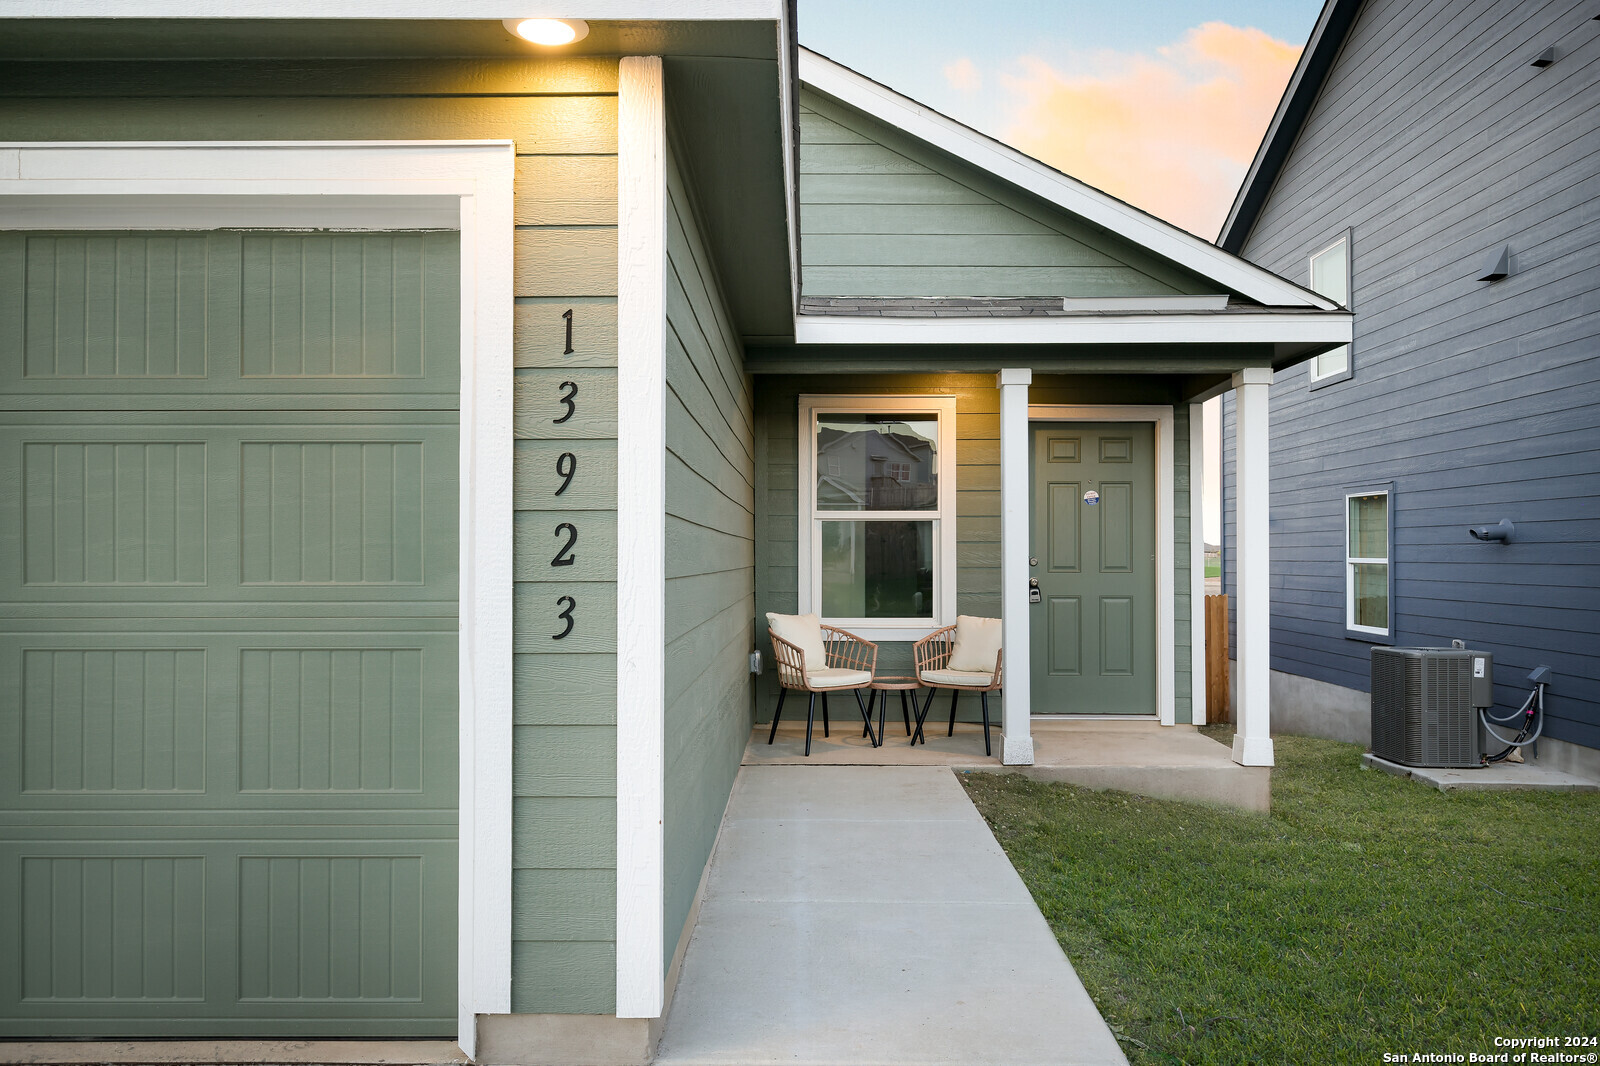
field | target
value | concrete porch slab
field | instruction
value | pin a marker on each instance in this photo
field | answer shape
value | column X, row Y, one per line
column 1131, row 755
column 865, row 915
column 1502, row 776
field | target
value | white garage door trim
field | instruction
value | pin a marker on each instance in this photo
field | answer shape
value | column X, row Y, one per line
column 367, row 185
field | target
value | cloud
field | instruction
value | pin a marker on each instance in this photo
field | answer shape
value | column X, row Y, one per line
column 964, row 75
column 1172, row 133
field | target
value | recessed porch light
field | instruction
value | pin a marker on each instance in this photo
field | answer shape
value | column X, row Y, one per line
column 552, row 32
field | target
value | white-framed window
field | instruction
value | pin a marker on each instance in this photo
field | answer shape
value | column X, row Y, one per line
column 1330, row 276
column 1366, row 564
column 878, row 512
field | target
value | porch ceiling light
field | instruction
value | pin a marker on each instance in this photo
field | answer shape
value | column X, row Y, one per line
column 552, row 32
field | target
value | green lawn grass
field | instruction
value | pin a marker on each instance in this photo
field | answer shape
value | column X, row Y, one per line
column 1365, row 915
column 1213, row 568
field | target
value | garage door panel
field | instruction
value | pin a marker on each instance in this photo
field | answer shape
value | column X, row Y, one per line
column 212, row 937
column 251, row 509
column 228, row 317
column 345, row 720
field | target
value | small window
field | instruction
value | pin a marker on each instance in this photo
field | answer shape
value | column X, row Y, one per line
column 877, row 512
column 1330, row 276
column 1367, row 563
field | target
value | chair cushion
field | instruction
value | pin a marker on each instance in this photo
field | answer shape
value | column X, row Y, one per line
column 836, row 678
column 961, row 678
column 804, row 631
column 977, row 644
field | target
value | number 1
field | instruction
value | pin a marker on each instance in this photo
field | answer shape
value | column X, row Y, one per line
column 567, row 314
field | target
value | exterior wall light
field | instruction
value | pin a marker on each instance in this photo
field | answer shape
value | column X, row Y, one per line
column 552, row 32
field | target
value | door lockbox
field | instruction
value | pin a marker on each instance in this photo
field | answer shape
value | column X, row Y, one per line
column 1034, row 595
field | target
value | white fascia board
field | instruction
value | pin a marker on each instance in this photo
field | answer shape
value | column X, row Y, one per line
column 1162, row 238
column 1332, row 328
column 597, row 10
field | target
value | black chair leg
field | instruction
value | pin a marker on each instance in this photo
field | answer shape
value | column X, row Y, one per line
column 872, row 697
column 922, row 715
column 866, row 717
column 905, row 713
column 824, row 715
column 777, row 714
column 811, row 716
column 955, row 694
column 984, row 698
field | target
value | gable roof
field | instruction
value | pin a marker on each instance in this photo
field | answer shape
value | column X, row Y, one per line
column 1327, row 37
column 1099, row 208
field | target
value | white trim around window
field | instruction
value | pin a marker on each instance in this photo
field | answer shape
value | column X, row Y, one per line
column 809, row 532
column 1369, row 559
column 466, row 185
column 1166, row 577
column 1333, row 365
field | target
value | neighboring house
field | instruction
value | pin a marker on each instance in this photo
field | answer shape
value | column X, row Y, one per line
column 1436, row 171
column 405, row 428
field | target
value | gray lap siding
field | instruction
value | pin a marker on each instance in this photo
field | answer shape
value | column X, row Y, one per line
column 1436, row 143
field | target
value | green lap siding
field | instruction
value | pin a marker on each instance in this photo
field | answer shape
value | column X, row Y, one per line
column 885, row 215
column 710, row 527
column 561, row 115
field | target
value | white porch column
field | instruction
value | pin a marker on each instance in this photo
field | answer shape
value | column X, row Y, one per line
column 1252, row 742
column 1017, row 743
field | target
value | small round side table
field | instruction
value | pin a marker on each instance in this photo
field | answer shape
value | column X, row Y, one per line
column 886, row 685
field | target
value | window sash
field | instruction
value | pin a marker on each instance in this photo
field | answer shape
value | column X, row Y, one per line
column 1359, row 570
column 1330, row 277
column 940, row 409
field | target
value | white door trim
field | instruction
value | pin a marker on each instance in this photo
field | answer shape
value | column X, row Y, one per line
column 1161, row 415
column 466, row 185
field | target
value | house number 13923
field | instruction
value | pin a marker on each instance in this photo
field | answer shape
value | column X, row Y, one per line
column 566, row 468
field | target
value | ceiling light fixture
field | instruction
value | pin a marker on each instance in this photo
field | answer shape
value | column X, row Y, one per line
column 553, row 32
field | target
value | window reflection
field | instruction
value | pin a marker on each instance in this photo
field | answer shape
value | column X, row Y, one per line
column 868, row 462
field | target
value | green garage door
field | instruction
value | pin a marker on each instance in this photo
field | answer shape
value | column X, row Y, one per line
column 228, row 634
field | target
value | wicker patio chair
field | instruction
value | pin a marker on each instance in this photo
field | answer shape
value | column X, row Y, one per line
column 933, row 654
column 848, row 662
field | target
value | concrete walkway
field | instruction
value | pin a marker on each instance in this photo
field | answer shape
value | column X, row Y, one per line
column 866, row 915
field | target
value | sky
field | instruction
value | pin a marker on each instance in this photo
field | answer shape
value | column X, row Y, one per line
column 1159, row 102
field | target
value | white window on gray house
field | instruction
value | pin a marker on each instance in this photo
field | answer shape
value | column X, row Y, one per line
column 877, row 510
column 1367, row 563
column 1330, row 276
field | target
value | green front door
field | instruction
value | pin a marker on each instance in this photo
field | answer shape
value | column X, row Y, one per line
column 228, row 513
column 1093, row 555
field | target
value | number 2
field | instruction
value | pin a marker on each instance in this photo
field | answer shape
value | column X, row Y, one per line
column 564, row 555
column 565, row 616
column 566, row 467
column 569, row 391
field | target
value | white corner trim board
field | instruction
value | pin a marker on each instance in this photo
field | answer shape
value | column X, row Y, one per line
column 1166, row 578
column 641, row 536
column 963, row 142
column 385, row 185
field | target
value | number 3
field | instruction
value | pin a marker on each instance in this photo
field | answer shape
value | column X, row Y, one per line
column 569, row 390
column 565, row 616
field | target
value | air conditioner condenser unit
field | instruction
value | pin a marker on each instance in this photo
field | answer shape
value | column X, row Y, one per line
column 1425, row 705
